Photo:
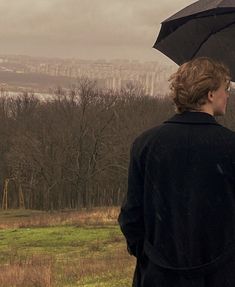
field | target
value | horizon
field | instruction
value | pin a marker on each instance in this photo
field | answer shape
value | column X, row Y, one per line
column 82, row 59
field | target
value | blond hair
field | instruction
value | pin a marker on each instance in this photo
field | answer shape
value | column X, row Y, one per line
column 194, row 79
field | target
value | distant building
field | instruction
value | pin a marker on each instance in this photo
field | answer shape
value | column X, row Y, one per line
column 152, row 76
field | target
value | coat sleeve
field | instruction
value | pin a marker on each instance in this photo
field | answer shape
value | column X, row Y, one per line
column 131, row 216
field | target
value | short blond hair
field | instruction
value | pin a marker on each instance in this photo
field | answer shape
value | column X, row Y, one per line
column 194, row 79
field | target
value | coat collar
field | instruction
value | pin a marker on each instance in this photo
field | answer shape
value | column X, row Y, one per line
column 193, row 118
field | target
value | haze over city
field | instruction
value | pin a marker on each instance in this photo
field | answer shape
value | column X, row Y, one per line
column 90, row 29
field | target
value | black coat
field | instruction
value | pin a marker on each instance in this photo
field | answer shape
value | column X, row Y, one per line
column 179, row 214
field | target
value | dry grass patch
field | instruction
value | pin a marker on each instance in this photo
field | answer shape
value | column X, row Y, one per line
column 112, row 268
column 36, row 271
column 29, row 218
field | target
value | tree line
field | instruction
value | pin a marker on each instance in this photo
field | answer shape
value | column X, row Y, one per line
column 72, row 150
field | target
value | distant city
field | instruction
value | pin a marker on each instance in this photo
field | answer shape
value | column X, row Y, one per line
column 25, row 73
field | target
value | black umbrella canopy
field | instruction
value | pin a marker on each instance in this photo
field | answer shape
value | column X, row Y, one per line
column 203, row 6
column 205, row 28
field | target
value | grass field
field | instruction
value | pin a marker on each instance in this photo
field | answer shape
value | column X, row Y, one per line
column 69, row 249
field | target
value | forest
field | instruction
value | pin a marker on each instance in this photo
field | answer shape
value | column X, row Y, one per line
column 71, row 151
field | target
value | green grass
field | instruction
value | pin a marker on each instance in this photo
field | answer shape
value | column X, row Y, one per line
column 62, row 255
column 59, row 241
column 55, row 237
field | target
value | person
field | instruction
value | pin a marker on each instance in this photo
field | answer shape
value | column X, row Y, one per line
column 178, row 216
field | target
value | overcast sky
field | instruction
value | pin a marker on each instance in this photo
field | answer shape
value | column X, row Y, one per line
column 85, row 29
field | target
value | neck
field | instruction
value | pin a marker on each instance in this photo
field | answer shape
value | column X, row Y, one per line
column 206, row 109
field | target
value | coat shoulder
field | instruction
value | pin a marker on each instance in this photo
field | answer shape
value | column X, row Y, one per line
column 227, row 132
column 143, row 140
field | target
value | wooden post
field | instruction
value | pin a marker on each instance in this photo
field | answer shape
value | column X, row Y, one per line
column 21, row 197
column 5, row 195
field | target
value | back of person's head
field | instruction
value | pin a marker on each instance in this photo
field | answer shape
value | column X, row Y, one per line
column 194, row 79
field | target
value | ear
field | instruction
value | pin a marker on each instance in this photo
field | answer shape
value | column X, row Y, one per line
column 210, row 96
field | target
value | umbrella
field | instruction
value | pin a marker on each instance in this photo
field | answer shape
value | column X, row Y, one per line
column 204, row 28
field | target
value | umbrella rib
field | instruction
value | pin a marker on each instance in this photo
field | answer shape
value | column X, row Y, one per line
column 210, row 36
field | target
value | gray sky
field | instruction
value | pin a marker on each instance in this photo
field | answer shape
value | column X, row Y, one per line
column 85, row 29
